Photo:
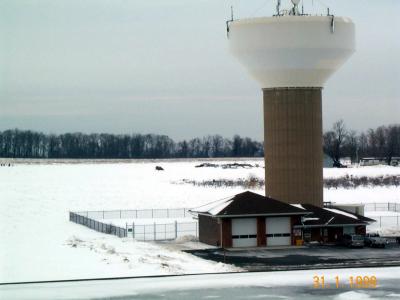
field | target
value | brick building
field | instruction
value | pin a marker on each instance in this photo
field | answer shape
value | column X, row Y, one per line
column 252, row 220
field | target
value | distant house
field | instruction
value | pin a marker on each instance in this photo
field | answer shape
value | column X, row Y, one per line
column 252, row 220
column 373, row 161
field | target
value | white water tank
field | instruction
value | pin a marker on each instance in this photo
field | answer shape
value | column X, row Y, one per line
column 292, row 51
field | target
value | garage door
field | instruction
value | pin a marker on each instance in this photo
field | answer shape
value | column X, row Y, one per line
column 244, row 232
column 278, row 231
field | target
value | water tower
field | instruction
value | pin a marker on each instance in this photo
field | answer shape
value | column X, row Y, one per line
column 292, row 55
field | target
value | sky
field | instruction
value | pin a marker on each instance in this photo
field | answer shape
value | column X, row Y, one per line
column 163, row 66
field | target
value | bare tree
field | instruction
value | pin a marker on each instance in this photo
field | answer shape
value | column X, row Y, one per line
column 392, row 137
column 334, row 142
column 351, row 145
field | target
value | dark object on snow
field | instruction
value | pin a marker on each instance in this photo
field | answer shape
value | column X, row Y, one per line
column 236, row 165
column 225, row 166
column 206, row 165
column 158, row 168
column 337, row 164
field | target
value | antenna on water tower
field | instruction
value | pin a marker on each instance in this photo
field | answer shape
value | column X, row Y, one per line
column 295, row 9
column 278, row 8
column 229, row 21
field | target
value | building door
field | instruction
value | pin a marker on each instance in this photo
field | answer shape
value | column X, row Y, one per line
column 244, row 232
column 278, row 231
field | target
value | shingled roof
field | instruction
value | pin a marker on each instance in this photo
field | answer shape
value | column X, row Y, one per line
column 331, row 217
column 248, row 204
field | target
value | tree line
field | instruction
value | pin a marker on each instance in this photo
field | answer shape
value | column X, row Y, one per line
column 17, row 143
column 338, row 142
column 382, row 142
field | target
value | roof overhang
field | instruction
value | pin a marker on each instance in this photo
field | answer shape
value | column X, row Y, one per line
column 330, row 225
column 255, row 215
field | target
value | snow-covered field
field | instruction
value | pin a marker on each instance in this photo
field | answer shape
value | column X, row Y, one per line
column 39, row 243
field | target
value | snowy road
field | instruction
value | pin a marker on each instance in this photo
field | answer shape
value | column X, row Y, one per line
column 258, row 285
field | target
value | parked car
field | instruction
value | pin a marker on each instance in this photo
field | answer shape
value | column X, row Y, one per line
column 352, row 240
column 374, row 240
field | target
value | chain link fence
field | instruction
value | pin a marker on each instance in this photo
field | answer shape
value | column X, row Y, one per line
column 96, row 225
column 383, row 206
column 162, row 232
column 387, row 221
column 155, row 231
column 137, row 213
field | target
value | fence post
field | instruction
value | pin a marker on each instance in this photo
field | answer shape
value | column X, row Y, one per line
column 133, row 229
column 126, row 228
column 154, row 230
column 184, row 212
column 176, row 229
column 103, row 214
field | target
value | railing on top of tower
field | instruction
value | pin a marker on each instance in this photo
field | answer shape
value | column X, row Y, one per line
column 294, row 11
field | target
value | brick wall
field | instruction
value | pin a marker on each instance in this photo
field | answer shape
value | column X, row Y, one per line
column 209, row 230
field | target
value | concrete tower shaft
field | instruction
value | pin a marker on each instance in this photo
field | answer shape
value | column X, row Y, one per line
column 292, row 57
column 293, row 144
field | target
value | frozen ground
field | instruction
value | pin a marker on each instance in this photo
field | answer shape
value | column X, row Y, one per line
column 256, row 285
column 39, row 243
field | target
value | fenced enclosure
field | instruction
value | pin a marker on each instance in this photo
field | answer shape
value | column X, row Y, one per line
column 162, row 232
column 135, row 223
column 387, row 221
column 96, row 225
column 382, row 206
column 384, row 221
column 137, row 213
